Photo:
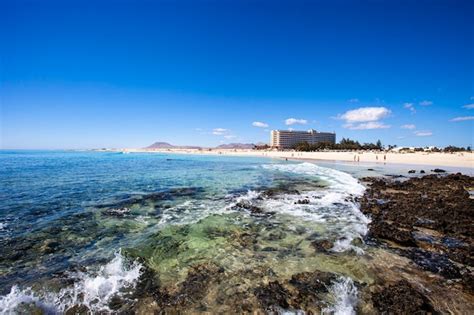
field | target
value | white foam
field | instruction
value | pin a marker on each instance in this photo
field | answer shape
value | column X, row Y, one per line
column 333, row 204
column 249, row 196
column 94, row 290
column 344, row 294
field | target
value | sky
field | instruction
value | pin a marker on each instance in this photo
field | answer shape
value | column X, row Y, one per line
column 93, row 74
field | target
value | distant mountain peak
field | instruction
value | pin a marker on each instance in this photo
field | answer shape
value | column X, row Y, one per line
column 160, row 145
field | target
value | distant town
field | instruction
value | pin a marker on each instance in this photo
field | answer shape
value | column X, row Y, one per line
column 306, row 141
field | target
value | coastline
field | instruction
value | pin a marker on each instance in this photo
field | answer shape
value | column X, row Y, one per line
column 462, row 160
column 303, row 240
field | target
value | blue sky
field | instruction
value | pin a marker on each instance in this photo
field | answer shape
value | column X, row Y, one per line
column 87, row 74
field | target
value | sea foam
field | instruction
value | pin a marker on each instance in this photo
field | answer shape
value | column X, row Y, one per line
column 344, row 293
column 93, row 290
column 333, row 205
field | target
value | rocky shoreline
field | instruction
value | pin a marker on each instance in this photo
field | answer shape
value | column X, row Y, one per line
column 420, row 246
column 429, row 221
column 417, row 257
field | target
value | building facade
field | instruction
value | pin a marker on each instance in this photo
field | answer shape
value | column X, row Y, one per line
column 286, row 139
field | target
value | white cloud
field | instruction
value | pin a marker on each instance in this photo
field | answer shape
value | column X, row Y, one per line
column 426, row 103
column 408, row 126
column 425, row 133
column 365, row 114
column 463, row 118
column 353, row 100
column 410, row 107
column 293, row 121
column 469, row 106
column 260, row 124
column 219, row 131
column 367, row 126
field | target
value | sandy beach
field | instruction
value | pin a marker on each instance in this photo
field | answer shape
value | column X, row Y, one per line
column 463, row 159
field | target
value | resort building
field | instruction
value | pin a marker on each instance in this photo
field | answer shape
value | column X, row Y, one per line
column 286, row 139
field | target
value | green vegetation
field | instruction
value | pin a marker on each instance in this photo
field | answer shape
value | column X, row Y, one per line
column 348, row 144
column 344, row 144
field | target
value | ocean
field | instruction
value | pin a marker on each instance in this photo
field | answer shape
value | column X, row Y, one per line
column 85, row 230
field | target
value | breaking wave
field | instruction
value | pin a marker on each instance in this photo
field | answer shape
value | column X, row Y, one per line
column 344, row 293
column 334, row 205
column 92, row 290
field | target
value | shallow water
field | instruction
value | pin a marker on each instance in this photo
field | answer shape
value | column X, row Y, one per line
column 79, row 228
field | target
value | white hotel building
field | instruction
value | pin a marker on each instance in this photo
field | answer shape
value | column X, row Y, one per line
column 286, row 139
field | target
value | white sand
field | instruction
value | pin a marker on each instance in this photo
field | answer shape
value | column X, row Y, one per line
column 464, row 159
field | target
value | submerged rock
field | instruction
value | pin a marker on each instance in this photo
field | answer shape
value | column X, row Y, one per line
column 311, row 283
column 323, row 246
column 280, row 190
column 247, row 205
column 271, row 295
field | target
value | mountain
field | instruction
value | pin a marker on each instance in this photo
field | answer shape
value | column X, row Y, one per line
column 166, row 145
column 236, row 146
column 160, row 145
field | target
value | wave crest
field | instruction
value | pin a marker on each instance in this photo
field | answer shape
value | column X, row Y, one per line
column 94, row 291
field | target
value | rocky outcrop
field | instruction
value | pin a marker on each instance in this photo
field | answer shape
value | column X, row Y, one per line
column 426, row 219
column 401, row 298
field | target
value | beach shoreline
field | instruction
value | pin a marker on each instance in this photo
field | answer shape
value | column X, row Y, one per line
column 461, row 159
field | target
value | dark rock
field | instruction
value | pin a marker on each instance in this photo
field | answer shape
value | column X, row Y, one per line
column 401, row 298
column 80, row 309
column 302, row 202
column 272, row 294
column 49, row 246
column 370, row 169
column 148, row 283
column 117, row 212
column 438, row 170
column 433, row 262
column 323, row 246
column 194, row 288
column 384, row 230
column 280, row 190
column 422, row 171
column 277, row 235
column 247, row 205
column 411, row 171
column 310, row 283
column 430, row 217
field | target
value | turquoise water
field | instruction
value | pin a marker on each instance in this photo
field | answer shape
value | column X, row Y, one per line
column 80, row 228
